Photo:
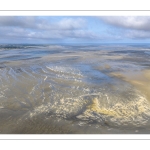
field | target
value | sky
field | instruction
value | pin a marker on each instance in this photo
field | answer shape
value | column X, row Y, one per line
column 74, row 29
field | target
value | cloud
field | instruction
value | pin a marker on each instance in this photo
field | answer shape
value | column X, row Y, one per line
column 44, row 28
column 22, row 22
column 33, row 28
column 41, row 23
column 52, row 34
column 69, row 23
column 134, row 34
column 128, row 22
column 82, row 29
column 128, row 27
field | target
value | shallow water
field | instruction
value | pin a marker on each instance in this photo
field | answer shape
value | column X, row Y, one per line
column 74, row 89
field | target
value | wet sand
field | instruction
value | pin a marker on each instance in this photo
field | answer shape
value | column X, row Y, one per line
column 75, row 90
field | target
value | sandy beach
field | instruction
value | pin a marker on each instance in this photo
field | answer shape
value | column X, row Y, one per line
column 65, row 90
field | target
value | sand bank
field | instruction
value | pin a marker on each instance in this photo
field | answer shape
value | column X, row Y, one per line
column 139, row 79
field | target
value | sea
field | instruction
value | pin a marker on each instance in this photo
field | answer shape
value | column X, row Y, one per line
column 75, row 88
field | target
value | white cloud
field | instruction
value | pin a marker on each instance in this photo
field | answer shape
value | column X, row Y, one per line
column 74, row 28
column 129, row 22
column 41, row 23
column 69, row 23
column 44, row 28
column 134, row 34
column 57, row 31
